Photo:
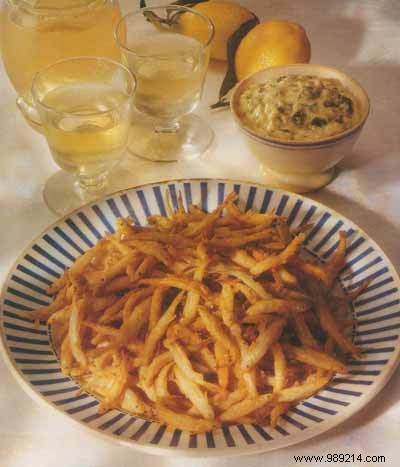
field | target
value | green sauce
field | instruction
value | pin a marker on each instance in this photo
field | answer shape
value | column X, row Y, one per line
column 298, row 108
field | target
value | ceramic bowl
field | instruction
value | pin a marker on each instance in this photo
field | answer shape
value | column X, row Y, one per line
column 295, row 165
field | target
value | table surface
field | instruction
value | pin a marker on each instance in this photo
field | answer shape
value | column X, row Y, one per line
column 360, row 38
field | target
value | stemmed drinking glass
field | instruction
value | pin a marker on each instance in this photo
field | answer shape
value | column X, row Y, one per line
column 167, row 48
column 85, row 108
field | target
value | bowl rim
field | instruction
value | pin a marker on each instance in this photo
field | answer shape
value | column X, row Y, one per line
column 303, row 68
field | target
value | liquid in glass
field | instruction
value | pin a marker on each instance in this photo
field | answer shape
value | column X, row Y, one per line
column 35, row 34
column 84, row 134
column 170, row 70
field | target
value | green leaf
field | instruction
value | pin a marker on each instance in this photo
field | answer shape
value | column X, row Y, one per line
column 164, row 24
column 222, row 103
column 233, row 43
column 188, row 3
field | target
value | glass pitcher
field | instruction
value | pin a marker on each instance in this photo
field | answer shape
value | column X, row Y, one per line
column 37, row 33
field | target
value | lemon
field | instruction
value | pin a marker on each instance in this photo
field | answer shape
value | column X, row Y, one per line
column 272, row 43
column 227, row 18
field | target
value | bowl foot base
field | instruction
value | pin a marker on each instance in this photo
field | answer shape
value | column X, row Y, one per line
column 297, row 183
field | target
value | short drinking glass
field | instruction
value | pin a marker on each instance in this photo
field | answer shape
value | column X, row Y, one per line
column 167, row 48
column 85, row 106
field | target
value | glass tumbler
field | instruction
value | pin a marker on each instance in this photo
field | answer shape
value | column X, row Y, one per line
column 85, row 107
column 168, row 49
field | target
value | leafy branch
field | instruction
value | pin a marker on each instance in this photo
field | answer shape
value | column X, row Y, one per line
column 230, row 78
column 172, row 15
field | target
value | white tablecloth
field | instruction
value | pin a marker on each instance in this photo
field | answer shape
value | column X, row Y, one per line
column 361, row 38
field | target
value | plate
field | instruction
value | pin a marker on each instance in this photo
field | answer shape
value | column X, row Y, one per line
column 30, row 355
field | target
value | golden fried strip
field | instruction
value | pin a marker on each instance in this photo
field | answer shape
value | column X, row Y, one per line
column 222, row 365
column 160, row 329
column 287, row 277
column 249, row 293
column 208, row 358
column 118, row 284
column 152, row 248
column 133, row 404
column 178, row 282
column 226, row 304
column 223, row 401
column 66, row 357
column 75, row 324
column 311, row 269
column 330, row 326
column 315, row 358
column 45, row 312
column 275, row 261
column 161, row 381
column 147, row 234
column 250, row 282
column 279, row 367
column 285, row 293
column 277, row 305
column 182, row 361
column 101, row 328
column 116, row 307
column 193, row 298
column 133, row 321
column 303, row 390
column 250, row 381
column 194, row 394
column 242, row 258
column 245, row 407
column 155, row 367
column 156, row 306
column 337, row 261
column 59, row 283
column 283, row 232
column 206, row 225
column 60, row 315
column 220, row 333
column 303, row 331
column 250, row 217
column 145, row 267
column 236, row 231
column 182, row 421
column 238, row 242
column 328, row 323
column 278, row 410
column 118, row 385
column 264, row 341
column 113, row 271
column 76, row 271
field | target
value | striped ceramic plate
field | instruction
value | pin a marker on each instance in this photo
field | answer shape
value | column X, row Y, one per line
column 32, row 359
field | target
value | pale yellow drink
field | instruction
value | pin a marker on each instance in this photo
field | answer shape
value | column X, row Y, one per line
column 31, row 40
column 170, row 70
column 86, row 126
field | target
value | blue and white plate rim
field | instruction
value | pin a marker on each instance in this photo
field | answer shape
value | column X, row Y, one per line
column 257, row 447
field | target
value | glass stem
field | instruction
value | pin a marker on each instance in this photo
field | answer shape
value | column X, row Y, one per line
column 166, row 126
column 89, row 185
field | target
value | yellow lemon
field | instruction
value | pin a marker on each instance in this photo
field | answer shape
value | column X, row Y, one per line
column 227, row 18
column 272, row 43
